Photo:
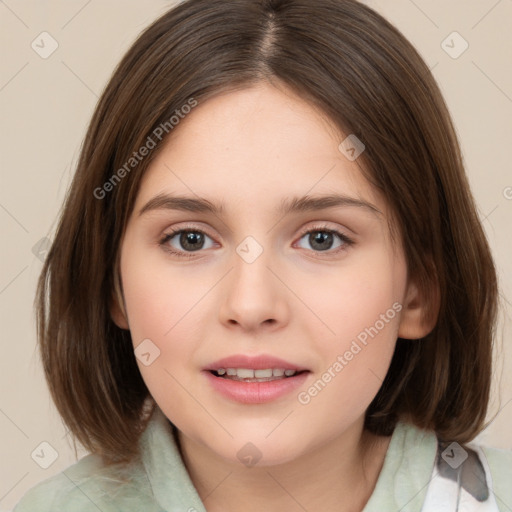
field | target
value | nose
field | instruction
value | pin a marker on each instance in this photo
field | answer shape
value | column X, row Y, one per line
column 254, row 297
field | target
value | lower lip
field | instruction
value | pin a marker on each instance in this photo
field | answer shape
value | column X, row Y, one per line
column 255, row 392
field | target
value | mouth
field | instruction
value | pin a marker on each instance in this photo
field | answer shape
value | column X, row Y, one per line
column 255, row 375
column 255, row 379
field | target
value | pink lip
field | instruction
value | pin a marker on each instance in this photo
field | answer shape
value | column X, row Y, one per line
column 255, row 392
column 260, row 362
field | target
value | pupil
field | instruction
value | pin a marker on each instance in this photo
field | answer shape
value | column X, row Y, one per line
column 320, row 238
column 191, row 241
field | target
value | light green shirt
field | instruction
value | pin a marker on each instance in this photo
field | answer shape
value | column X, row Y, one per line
column 159, row 482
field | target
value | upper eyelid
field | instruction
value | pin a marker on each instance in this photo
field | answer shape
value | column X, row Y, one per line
column 321, row 225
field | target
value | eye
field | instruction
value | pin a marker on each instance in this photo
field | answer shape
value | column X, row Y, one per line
column 186, row 241
column 323, row 239
column 183, row 242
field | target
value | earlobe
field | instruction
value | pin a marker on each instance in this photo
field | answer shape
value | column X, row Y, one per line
column 419, row 312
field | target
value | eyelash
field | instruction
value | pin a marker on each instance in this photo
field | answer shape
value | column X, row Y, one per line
column 347, row 242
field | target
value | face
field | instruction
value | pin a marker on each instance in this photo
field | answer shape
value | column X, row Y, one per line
column 318, row 290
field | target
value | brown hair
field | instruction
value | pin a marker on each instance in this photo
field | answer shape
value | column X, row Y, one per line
column 370, row 81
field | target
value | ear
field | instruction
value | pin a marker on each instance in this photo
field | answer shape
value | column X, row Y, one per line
column 419, row 312
column 117, row 307
column 118, row 312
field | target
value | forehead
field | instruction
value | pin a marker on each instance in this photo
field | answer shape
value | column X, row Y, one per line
column 258, row 147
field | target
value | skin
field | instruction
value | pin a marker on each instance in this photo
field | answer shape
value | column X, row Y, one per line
column 251, row 149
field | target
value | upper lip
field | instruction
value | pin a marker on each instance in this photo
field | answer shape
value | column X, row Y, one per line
column 259, row 362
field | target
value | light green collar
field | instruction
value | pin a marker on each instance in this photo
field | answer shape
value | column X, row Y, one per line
column 170, row 482
column 402, row 483
column 407, row 471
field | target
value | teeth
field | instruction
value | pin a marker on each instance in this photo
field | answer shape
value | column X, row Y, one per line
column 248, row 373
column 262, row 373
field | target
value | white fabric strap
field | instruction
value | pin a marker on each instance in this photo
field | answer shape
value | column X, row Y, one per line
column 461, row 481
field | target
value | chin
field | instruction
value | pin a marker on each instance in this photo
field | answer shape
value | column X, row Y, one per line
column 263, row 453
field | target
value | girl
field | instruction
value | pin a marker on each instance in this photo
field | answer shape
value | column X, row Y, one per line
column 269, row 288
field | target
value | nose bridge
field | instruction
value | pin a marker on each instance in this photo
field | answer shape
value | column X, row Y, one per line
column 251, row 277
column 253, row 294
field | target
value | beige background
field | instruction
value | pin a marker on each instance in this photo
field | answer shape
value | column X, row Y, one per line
column 45, row 108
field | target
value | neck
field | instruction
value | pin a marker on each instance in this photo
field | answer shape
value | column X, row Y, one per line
column 339, row 475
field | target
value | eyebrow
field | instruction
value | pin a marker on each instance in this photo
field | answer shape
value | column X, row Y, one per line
column 291, row 205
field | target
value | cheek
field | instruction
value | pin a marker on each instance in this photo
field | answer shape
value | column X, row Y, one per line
column 370, row 312
column 158, row 296
column 361, row 306
column 356, row 301
column 165, row 314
